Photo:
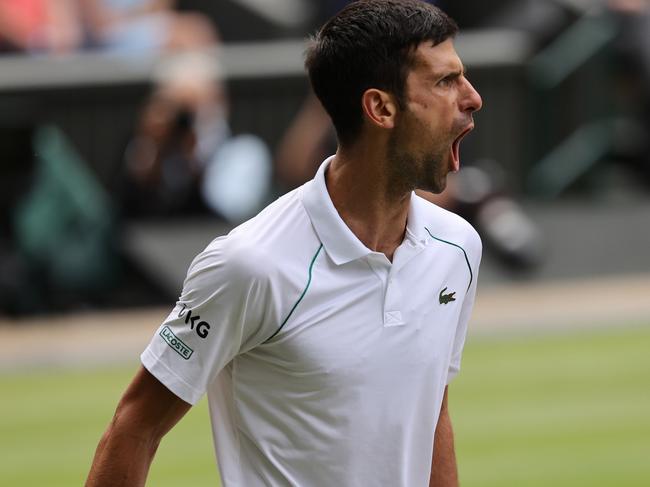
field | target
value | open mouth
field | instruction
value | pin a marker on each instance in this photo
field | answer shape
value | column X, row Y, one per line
column 455, row 148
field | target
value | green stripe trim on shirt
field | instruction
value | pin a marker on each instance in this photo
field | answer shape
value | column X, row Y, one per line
column 311, row 266
column 471, row 275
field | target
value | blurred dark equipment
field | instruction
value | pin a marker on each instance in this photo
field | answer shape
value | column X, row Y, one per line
column 505, row 228
column 17, row 175
column 593, row 55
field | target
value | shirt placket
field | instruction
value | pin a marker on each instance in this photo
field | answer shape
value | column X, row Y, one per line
column 393, row 296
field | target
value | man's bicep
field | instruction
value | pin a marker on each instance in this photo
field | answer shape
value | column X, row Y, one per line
column 150, row 408
column 146, row 412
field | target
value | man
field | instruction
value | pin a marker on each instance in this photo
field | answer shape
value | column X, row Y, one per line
column 326, row 329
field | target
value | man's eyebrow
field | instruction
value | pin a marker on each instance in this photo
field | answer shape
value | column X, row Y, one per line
column 451, row 72
column 462, row 71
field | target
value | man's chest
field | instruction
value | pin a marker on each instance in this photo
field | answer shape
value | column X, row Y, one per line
column 369, row 322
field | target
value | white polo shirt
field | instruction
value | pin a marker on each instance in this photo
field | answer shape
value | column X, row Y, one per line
column 324, row 363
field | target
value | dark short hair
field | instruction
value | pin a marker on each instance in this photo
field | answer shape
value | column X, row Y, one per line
column 369, row 44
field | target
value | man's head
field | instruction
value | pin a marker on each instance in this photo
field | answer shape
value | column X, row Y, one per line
column 391, row 64
column 370, row 44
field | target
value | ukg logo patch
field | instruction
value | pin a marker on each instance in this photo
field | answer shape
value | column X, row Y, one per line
column 176, row 343
column 203, row 327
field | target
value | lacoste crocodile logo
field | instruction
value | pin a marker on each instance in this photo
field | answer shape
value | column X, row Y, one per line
column 446, row 298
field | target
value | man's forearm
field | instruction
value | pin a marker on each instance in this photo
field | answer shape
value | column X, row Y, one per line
column 121, row 460
column 444, row 472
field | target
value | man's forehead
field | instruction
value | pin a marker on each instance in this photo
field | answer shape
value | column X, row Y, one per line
column 441, row 57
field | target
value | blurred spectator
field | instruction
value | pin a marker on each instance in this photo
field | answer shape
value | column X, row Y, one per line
column 39, row 26
column 144, row 26
column 181, row 157
column 181, row 124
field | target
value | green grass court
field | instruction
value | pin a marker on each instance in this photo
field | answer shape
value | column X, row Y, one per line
column 536, row 410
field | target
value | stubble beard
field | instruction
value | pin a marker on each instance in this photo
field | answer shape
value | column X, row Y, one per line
column 418, row 170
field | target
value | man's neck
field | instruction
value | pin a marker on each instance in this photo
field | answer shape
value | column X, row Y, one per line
column 359, row 186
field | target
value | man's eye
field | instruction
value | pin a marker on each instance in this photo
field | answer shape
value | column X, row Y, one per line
column 445, row 81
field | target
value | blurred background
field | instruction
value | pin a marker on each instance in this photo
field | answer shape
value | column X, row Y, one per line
column 133, row 132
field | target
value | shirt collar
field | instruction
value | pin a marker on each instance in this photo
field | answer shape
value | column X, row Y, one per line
column 415, row 221
column 340, row 243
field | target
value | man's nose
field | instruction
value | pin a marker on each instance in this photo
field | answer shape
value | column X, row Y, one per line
column 471, row 101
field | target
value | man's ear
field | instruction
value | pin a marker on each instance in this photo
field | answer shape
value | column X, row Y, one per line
column 379, row 107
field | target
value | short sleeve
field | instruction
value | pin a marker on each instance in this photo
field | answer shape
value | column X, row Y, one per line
column 225, row 309
column 474, row 257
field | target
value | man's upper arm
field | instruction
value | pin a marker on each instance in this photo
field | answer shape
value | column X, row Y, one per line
column 146, row 412
column 444, row 472
column 148, row 409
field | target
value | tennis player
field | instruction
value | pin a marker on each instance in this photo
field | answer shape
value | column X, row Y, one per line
column 325, row 330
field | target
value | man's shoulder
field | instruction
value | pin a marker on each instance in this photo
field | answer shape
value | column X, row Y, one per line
column 260, row 246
